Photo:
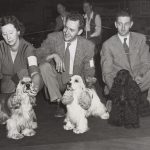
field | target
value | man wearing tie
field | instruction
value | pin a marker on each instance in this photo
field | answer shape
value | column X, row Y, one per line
column 126, row 50
column 64, row 54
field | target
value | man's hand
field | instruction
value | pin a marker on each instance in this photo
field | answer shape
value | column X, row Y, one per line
column 138, row 79
column 90, row 81
column 59, row 63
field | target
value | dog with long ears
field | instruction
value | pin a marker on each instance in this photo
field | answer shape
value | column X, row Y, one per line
column 81, row 102
column 17, row 110
column 125, row 96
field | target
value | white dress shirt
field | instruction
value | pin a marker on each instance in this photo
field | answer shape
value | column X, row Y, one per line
column 122, row 39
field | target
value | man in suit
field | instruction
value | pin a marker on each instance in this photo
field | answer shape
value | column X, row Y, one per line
column 126, row 50
column 52, row 57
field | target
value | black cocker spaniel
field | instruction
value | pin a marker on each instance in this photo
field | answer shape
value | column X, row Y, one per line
column 125, row 95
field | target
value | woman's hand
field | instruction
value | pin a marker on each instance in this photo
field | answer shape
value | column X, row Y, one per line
column 37, row 82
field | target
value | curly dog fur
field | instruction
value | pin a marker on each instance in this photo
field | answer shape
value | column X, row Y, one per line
column 125, row 95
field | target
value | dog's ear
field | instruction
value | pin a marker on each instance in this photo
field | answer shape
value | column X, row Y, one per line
column 85, row 100
column 67, row 97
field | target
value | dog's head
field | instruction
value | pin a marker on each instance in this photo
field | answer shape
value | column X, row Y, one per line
column 25, row 93
column 75, row 83
column 26, row 86
column 82, row 95
column 123, row 77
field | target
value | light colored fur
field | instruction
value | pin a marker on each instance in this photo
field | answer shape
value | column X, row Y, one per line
column 76, row 117
column 22, row 120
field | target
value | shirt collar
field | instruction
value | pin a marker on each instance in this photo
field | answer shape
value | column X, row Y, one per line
column 72, row 42
column 122, row 38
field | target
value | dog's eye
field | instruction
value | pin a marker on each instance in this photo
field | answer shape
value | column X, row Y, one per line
column 76, row 80
column 22, row 82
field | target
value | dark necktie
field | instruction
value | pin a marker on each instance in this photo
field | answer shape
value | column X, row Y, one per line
column 65, row 75
column 126, row 48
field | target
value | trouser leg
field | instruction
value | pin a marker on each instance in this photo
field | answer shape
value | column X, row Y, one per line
column 51, row 80
column 145, row 85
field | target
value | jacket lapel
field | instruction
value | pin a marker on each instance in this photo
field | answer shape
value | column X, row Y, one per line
column 132, row 49
column 61, row 46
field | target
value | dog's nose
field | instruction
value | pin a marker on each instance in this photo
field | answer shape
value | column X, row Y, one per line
column 28, row 86
column 69, row 84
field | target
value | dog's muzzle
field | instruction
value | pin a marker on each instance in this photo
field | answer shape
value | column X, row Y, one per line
column 69, row 86
column 30, row 89
column 28, row 86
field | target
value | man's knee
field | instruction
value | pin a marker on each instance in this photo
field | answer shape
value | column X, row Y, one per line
column 46, row 67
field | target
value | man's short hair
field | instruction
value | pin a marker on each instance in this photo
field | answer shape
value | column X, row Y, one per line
column 124, row 13
column 62, row 4
column 90, row 2
column 75, row 16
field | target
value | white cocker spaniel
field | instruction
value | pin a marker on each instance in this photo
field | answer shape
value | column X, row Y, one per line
column 81, row 102
column 17, row 110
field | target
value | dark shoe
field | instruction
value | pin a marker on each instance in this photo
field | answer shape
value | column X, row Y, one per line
column 60, row 110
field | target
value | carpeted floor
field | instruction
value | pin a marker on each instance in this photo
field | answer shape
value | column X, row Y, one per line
column 51, row 135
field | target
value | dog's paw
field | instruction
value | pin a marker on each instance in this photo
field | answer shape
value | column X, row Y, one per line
column 15, row 136
column 34, row 125
column 28, row 132
column 68, row 127
column 79, row 131
column 105, row 116
column 66, row 120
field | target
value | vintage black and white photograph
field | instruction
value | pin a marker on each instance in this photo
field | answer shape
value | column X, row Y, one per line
column 74, row 74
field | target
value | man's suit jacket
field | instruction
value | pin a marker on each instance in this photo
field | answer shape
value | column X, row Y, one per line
column 83, row 56
column 113, row 57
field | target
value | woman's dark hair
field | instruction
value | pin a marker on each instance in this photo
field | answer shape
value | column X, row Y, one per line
column 14, row 21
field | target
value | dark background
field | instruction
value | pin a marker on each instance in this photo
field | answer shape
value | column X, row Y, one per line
column 39, row 16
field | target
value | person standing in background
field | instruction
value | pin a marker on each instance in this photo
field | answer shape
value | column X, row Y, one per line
column 92, row 32
column 61, row 19
column 93, row 25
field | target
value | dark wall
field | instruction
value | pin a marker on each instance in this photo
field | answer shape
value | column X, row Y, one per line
column 38, row 15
